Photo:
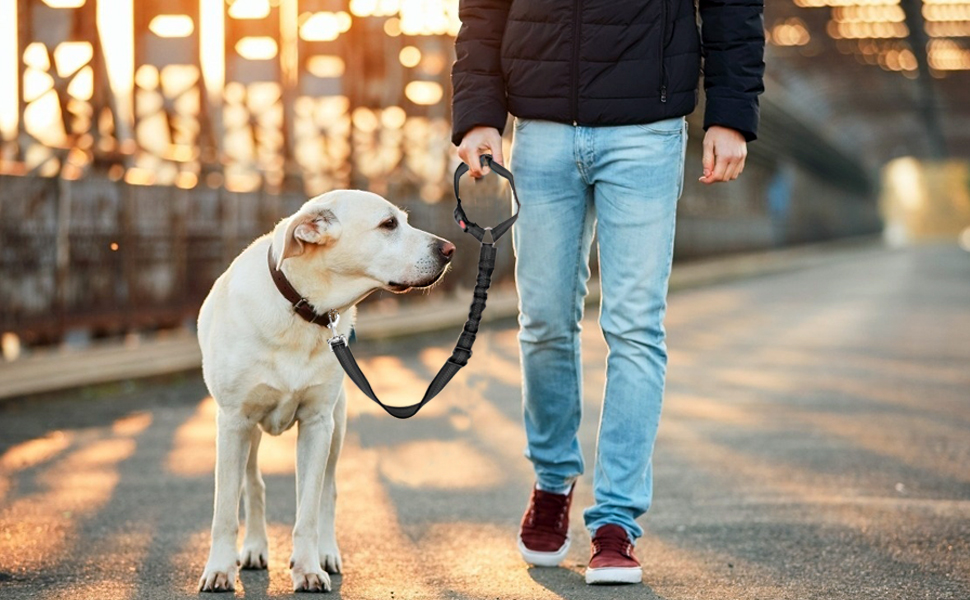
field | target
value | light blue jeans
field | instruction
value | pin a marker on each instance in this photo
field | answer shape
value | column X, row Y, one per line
column 624, row 183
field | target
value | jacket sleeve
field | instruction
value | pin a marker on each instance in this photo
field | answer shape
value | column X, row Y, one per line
column 733, row 47
column 478, row 85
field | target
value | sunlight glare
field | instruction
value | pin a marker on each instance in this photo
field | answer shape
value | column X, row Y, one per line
column 325, row 26
column 71, row 56
column 249, row 9
column 64, row 3
column 116, row 27
column 82, row 86
column 424, row 92
column 325, row 66
column 257, row 48
column 172, row 26
column 409, row 56
column 8, row 69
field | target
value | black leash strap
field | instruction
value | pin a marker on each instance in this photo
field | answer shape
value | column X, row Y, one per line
column 463, row 347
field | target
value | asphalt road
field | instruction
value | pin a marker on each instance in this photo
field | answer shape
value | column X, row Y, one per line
column 815, row 443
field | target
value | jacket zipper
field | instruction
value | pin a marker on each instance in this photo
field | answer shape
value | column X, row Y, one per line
column 663, row 43
column 575, row 64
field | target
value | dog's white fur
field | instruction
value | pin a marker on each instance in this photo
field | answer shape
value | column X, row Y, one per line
column 267, row 368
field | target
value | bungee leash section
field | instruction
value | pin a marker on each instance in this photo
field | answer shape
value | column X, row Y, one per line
column 463, row 347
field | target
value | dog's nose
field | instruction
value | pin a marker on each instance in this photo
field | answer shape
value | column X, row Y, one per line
column 447, row 249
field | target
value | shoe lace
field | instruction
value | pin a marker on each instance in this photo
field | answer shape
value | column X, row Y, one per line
column 548, row 511
column 614, row 543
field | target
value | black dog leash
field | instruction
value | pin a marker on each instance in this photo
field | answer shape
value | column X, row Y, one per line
column 463, row 347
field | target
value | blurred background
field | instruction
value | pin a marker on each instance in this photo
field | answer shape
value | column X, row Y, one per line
column 144, row 144
column 815, row 433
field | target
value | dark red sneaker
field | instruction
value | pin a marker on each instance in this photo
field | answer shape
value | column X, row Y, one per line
column 544, row 533
column 612, row 559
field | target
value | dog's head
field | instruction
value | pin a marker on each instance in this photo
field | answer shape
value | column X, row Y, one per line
column 359, row 241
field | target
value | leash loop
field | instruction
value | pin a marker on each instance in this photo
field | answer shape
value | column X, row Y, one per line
column 463, row 346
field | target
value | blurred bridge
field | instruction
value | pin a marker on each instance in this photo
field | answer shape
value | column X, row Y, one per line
column 143, row 144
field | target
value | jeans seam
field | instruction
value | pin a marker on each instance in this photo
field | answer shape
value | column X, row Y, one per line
column 648, row 127
column 578, row 157
column 579, row 251
column 670, row 132
column 683, row 162
column 577, row 347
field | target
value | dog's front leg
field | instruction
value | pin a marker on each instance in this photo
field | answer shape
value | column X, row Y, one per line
column 232, row 448
column 312, row 451
column 255, row 551
column 329, row 552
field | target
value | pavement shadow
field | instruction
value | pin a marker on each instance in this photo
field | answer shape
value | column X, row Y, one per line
column 255, row 583
column 569, row 584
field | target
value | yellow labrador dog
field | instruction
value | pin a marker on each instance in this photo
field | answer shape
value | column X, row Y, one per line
column 267, row 368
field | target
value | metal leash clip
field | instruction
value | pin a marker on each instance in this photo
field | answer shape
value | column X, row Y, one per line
column 335, row 338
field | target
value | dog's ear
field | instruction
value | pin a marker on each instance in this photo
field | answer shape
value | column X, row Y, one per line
column 319, row 227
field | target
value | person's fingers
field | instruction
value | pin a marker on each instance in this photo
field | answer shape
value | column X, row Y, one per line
column 742, row 155
column 474, row 162
column 469, row 151
column 493, row 143
column 479, row 141
column 737, row 161
column 484, row 148
column 721, row 165
column 468, row 156
column 708, row 160
column 740, row 168
column 724, row 158
column 497, row 151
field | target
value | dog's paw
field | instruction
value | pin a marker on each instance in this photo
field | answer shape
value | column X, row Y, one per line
column 330, row 559
column 215, row 579
column 312, row 581
column 254, row 555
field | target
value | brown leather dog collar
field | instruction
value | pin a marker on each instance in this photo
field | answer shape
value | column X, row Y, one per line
column 300, row 304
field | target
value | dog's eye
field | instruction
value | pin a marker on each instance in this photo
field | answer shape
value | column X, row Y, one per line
column 390, row 223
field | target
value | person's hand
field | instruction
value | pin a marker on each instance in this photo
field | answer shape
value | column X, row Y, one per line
column 478, row 141
column 724, row 153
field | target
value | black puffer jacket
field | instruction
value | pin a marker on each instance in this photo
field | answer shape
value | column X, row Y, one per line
column 607, row 62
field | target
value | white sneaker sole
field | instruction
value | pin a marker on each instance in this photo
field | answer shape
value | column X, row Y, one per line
column 544, row 559
column 614, row 575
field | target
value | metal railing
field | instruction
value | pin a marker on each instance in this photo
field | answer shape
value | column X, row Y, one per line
column 108, row 257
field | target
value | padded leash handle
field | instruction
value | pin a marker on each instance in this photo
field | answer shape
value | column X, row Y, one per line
column 463, row 347
column 470, row 226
